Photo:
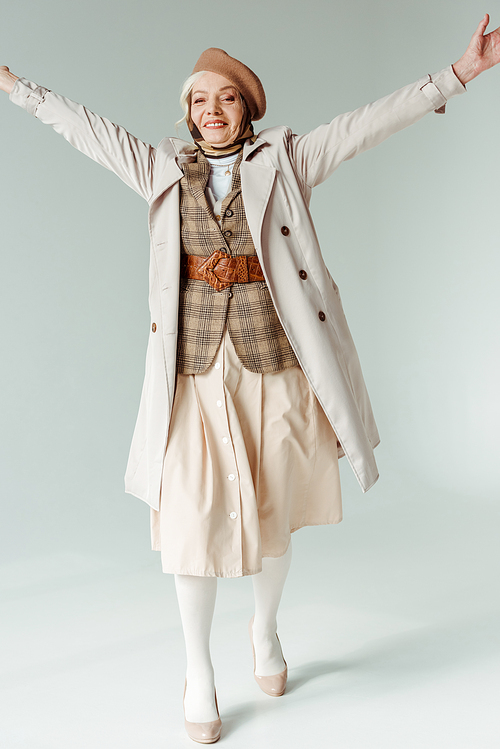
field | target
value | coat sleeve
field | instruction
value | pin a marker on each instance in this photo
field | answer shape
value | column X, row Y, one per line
column 317, row 154
column 108, row 144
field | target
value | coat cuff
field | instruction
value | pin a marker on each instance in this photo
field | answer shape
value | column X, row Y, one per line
column 440, row 87
column 27, row 95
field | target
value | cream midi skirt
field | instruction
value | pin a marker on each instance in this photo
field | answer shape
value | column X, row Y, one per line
column 250, row 459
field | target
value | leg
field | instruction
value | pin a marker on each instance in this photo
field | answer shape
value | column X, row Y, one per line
column 196, row 597
column 268, row 587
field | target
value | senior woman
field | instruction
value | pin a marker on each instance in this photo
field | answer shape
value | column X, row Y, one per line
column 253, row 388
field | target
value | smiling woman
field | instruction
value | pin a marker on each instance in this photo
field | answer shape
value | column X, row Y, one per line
column 253, row 387
column 217, row 109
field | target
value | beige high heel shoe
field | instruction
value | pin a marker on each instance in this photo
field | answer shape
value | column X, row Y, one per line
column 274, row 685
column 203, row 733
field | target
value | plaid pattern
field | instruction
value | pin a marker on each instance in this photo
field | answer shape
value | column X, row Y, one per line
column 254, row 326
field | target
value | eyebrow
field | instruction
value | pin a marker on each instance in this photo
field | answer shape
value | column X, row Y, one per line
column 206, row 92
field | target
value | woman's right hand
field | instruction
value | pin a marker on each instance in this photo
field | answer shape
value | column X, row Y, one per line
column 7, row 79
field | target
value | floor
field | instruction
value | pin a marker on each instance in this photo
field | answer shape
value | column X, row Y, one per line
column 390, row 630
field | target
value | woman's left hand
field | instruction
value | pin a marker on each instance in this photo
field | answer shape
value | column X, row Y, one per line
column 482, row 53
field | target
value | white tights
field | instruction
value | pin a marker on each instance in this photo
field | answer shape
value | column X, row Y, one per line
column 196, row 597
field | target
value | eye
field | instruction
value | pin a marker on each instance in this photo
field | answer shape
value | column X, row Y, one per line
column 197, row 101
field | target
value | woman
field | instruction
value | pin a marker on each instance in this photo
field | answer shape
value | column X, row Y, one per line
column 253, row 387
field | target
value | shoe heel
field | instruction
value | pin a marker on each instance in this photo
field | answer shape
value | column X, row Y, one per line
column 274, row 685
column 204, row 733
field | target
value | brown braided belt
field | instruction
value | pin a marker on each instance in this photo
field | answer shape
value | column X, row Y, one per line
column 221, row 270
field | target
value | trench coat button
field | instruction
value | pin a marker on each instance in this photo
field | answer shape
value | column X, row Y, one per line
column 285, row 231
column 303, row 274
column 153, row 327
column 322, row 316
column 233, row 515
column 228, row 233
column 230, row 294
column 228, row 213
column 231, row 477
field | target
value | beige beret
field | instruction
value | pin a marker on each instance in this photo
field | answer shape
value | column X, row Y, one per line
column 215, row 60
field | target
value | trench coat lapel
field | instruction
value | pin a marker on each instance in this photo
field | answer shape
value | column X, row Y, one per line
column 257, row 181
column 178, row 150
column 171, row 174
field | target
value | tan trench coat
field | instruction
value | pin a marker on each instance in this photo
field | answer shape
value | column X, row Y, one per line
column 278, row 173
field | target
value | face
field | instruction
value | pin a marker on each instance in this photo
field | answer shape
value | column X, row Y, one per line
column 216, row 109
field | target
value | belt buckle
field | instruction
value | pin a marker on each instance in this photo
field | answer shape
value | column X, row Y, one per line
column 208, row 270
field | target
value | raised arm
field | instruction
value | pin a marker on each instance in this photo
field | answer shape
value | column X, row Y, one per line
column 106, row 143
column 317, row 154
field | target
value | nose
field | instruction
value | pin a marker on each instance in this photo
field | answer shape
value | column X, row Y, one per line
column 213, row 106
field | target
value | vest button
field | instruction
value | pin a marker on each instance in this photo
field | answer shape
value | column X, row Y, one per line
column 228, row 213
column 303, row 274
column 322, row 316
column 228, row 233
column 285, row 231
column 153, row 327
column 217, row 217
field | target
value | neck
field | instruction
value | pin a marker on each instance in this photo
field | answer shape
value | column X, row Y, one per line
column 218, row 152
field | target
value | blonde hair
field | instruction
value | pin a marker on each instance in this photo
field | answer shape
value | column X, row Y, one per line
column 185, row 97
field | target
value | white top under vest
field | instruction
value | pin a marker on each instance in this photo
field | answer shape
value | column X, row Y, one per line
column 219, row 183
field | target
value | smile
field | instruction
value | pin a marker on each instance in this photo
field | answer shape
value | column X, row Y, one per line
column 214, row 125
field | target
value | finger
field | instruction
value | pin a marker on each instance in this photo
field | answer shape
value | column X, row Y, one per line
column 479, row 32
column 483, row 24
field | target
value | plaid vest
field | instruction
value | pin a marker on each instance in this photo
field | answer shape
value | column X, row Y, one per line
column 247, row 308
